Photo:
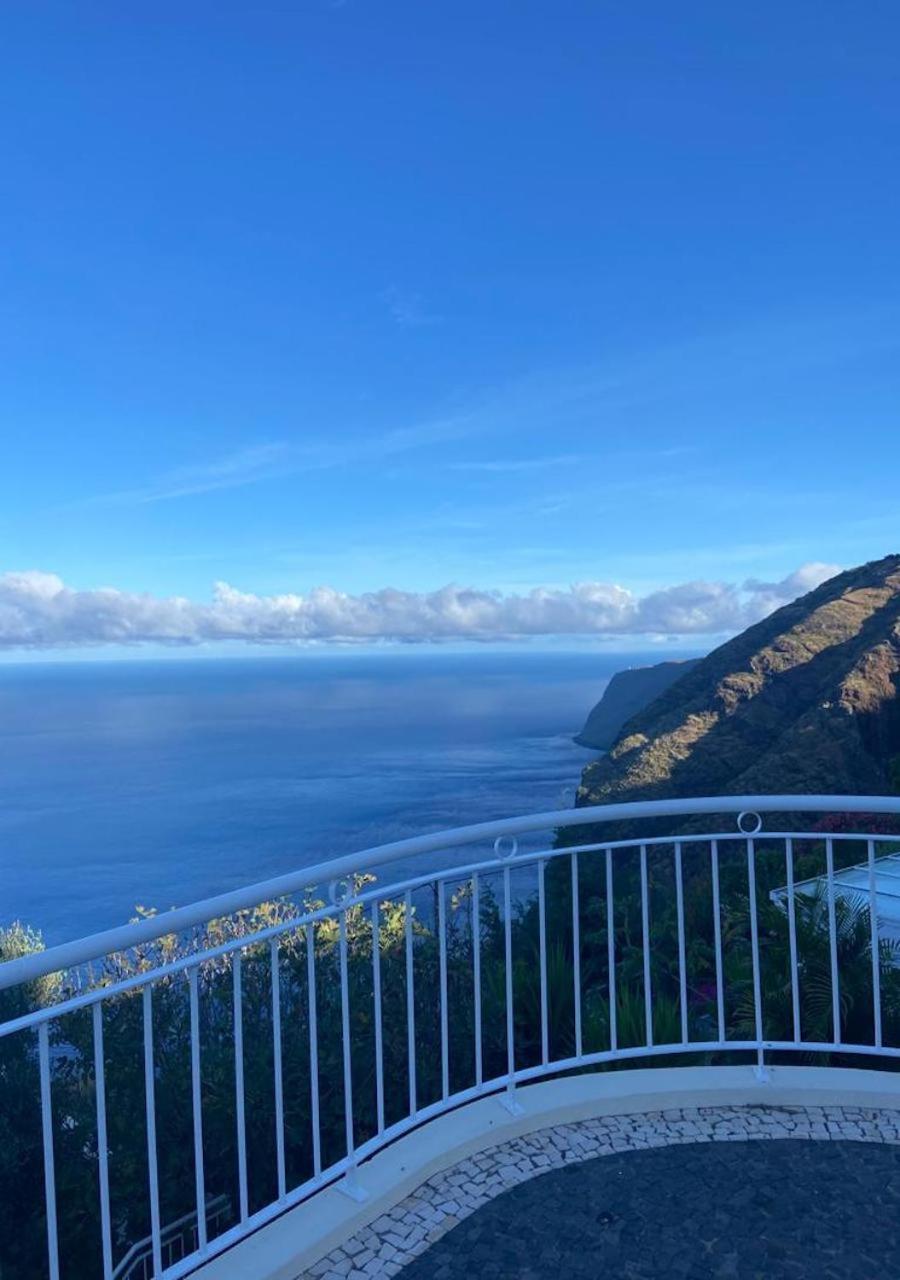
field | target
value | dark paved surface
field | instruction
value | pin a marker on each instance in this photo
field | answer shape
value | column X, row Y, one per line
column 767, row 1209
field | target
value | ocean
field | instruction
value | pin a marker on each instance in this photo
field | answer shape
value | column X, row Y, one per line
column 158, row 783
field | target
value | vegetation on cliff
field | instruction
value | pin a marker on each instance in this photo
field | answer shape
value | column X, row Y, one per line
column 804, row 701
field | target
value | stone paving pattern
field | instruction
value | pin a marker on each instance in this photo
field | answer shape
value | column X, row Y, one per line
column 545, row 1206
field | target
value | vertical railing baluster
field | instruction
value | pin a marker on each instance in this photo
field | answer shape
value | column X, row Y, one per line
column 542, row 960
column 445, row 1031
column 682, row 957
column 49, row 1164
column 102, row 1139
column 476, row 975
column 313, row 1047
column 754, row 949
column 508, row 975
column 345, row 1036
column 611, row 954
column 277, row 1069
column 152, row 1159
column 197, row 1106
column 239, row 1092
column 410, row 1005
column 792, row 936
column 832, row 940
column 379, row 1028
column 717, row 933
column 875, row 946
column 576, row 953
column 645, row 946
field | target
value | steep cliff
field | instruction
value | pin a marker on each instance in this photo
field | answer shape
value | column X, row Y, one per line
column 804, row 701
column 627, row 693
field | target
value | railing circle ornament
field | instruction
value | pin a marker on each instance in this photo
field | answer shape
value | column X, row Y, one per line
column 338, row 892
column 506, row 847
column 749, row 823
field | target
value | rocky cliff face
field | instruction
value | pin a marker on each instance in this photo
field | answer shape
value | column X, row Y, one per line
column 807, row 700
column 627, row 693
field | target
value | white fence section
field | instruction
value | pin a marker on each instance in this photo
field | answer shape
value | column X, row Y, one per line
column 245, row 1052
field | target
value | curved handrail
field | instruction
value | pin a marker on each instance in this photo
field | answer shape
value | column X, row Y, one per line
column 69, row 955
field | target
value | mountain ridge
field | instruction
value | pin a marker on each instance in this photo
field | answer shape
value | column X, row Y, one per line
column 805, row 700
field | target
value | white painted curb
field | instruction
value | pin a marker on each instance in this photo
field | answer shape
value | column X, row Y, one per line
column 303, row 1235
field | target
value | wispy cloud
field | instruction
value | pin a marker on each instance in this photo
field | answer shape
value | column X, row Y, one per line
column 231, row 471
column 407, row 308
column 279, row 459
column 594, row 397
column 39, row 611
column 503, row 465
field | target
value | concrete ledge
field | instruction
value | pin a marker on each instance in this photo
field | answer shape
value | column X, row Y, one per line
column 302, row 1236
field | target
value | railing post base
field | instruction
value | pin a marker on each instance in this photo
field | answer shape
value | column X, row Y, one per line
column 762, row 1074
column 349, row 1187
column 510, row 1103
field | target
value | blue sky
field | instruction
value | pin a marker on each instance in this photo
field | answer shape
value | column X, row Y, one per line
column 401, row 295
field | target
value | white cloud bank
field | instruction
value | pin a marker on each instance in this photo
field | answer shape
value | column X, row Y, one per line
column 38, row 611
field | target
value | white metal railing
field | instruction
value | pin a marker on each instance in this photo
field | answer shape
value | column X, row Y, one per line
column 253, row 1048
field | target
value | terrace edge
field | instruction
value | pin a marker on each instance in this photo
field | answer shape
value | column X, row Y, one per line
column 275, row 1251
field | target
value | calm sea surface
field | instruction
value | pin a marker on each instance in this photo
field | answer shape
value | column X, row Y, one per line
column 160, row 783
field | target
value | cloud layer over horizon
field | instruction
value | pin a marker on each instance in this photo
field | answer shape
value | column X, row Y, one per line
column 38, row 611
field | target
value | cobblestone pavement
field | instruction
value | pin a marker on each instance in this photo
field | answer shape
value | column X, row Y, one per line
column 761, row 1209
column 678, row 1194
